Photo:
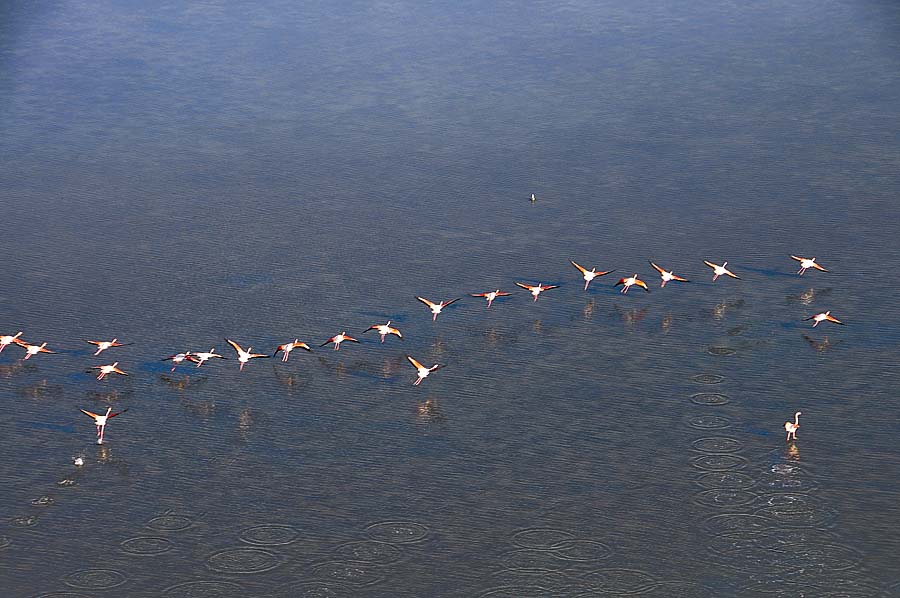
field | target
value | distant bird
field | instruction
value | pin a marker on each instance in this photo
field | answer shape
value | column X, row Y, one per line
column 536, row 289
column 244, row 356
column 288, row 347
column 204, row 356
column 104, row 345
column 533, row 198
column 721, row 270
column 100, row 420
column 589, row 275
column 491, row 296
column 667, row 275
column 78, row 462
column 436, row 307
column 384, row 330
column 791, row 427
column 823, row 317
column 105, row 370
column 177, row 358
column 337, row 339
column 32, row 349
column 422, row 370
column 630, row 282
column 8, row 339
column 806, row 264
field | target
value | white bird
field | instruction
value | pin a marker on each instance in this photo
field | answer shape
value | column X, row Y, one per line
column 536, row 289
column 384, row 330
column 286, row 348
column 806, row 264
column 422, row 370
column 589, row 275
column 8, row 339
column 32, row 349
column 105, row 370
column 104, row 345
column 78, row 462
column 337, row 339
column 177, row 358
column 204, row 356
column 436, row 307
column 791, row 427
column 825, row 316
column 629, row 282
column 101, row 420
column 491, row 296
column 667, row 275
column 721, row 270
column 243, row 356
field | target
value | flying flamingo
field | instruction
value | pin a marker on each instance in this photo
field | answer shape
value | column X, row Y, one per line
column 100, row 420
column 806, row 264
column 8, row 339
column 667, row 275
column 337, row 339
column 491, row 296
column 721, row 270
column 32, row 349
column 384, row 330
column 423, row 371
column 104, row 345
column 204, row 356
column 791, row 427
column 243, row 356
column 436, row 307
column 823, row 317
column 288, row 347
column 177, row 358
column 589, row 275
column 536, row 289
column 105, row 370
column 630, row 282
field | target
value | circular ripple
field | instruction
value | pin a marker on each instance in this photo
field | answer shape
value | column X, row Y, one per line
column 724, row 497
column 726, row 479
column 515, row 592
column 774, row 538
column 146, row 546
column 63, row 595
column 789, row 484
column 720, row 351
column 533, row 559
column 269, row 535
column 95, row 579
column 24, row 520
column 840, row 588
column 583, row 550
column 709, row 422
column 243, row 560
column 718, row 462
column 315, row 589
column 369, row 551
column 44, row 501
column 728, row 524
column 397, row 532
column 677, row 589
column 751, row 560
column 528, row 578
column 717, row 444
column 543, row 537
column 708, row 379
column 620, row 581
column 204, row 589
column 355, row 573
column 170, row 523
column 710, row 399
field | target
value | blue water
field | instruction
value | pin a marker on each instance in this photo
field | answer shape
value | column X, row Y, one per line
column 174, row 175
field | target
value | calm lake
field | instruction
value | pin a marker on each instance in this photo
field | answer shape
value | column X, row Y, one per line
column 174, row 174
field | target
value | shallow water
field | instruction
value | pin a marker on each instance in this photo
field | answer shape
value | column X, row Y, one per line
column 263, row 171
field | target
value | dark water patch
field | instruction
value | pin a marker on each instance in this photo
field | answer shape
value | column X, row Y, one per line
column 243, row 560
column 369, row 551
column 789, row 484
column 146, row 546
column 809, row 296
column 533, row 559
column 677, row 589
column 796, row 510
column 833, row 588
column 583, row 550
column 708, row 379
column 67, row 428
column 711, row 399
column 4, row 542
column 620, row 581
column 772, row 538
column 350, row 572
column 752, row 560
column 720, row 351
column 63, row 595
column 808, row 558
column 724, row 498
column 717, row 444
column 528, row 578
column 732, row 523
column 269, row 535
column 42, row 390
column 708, row 422
column 737, row 330
column 397, row 532
column 205, row 589
column 170, row 523
column 314, row 589
column 247, row 281
column 718, row 462
column 726, row 479
column 534, row 591
column 541, row 537
column 95, row 579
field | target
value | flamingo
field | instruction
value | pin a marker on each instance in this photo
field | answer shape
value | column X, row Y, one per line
column 104, row 345
column 204, row 356
column 491, row 296
column 243, row 356
column 806, row 264
column 825, row 316
column 100, row 420
column 105, row 370
column 589, row 275
column 8, row 339
column 536, row 289
column 337, row 339
column 791, row 427
column 32, row 349
column 630, row 282
column 721, row 270
column 288, row 347
column 436, row 307
column 384, row 330
column 667, row 275
column 422, row 370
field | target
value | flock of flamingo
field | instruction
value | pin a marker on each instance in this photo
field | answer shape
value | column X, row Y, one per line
column 384, row 330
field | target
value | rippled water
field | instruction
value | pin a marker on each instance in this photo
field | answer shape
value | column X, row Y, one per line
column 176, row 174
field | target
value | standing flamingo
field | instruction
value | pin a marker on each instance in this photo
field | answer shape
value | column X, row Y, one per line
column 791, row 427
